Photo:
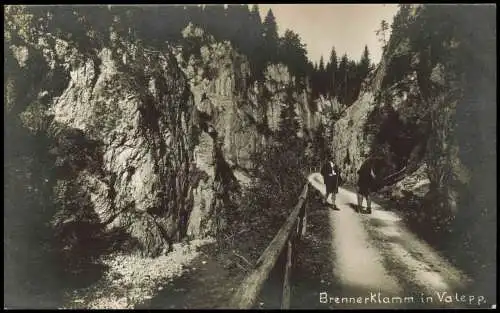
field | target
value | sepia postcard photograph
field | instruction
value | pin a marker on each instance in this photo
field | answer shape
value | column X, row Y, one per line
column 250, row 156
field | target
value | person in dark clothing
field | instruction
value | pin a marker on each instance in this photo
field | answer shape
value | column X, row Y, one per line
column 331, row 176
column 367, row 183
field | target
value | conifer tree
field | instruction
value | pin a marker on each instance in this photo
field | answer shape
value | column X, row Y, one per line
column 270, row 34
column 342, row 79
column 364, row 64
column 321, row 76
column 292, row 52
column 288, row 125
column 255, row 43
column 331, row 71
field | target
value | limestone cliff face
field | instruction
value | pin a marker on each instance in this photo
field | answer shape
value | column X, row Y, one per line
column 122, row 119
column 243, row 115
column 349, row 145
column 243, row 112
column 279, row 83
column 219, row 77
column 408, row 110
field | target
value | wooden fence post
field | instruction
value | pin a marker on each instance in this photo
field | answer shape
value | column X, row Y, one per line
column 285, row 300
column 247, row 293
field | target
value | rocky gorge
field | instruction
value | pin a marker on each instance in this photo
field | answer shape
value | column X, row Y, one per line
column 116, row 143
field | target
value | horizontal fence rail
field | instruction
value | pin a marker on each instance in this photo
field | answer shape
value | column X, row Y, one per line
column 292, row 229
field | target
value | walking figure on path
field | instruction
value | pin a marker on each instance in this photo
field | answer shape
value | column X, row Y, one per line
column 331, row 176
column 367, row 183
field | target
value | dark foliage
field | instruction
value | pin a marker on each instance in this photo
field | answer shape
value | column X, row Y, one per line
column 89, row 27
column 341, row 79
column 281, row 176
column 461, row 41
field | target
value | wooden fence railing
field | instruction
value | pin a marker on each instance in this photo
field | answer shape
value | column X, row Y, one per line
column 287, row 236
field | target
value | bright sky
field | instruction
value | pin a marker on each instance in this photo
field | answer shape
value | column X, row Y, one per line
column 348, row 27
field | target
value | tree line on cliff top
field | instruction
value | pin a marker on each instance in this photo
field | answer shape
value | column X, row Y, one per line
column 89, row 27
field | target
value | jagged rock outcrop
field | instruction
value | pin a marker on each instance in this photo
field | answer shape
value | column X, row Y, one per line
column 279, row 87
column 416, row 184
column 408, row 110
column 124, row 128
column 325, row 105
column 349, row 146
column 245, row 113
column 353, row 140
column 219, row 77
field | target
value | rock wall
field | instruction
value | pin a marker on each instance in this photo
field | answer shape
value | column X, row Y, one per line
column 245, row 112
column 123, row 122
column 408, row 106
column 350, row 146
